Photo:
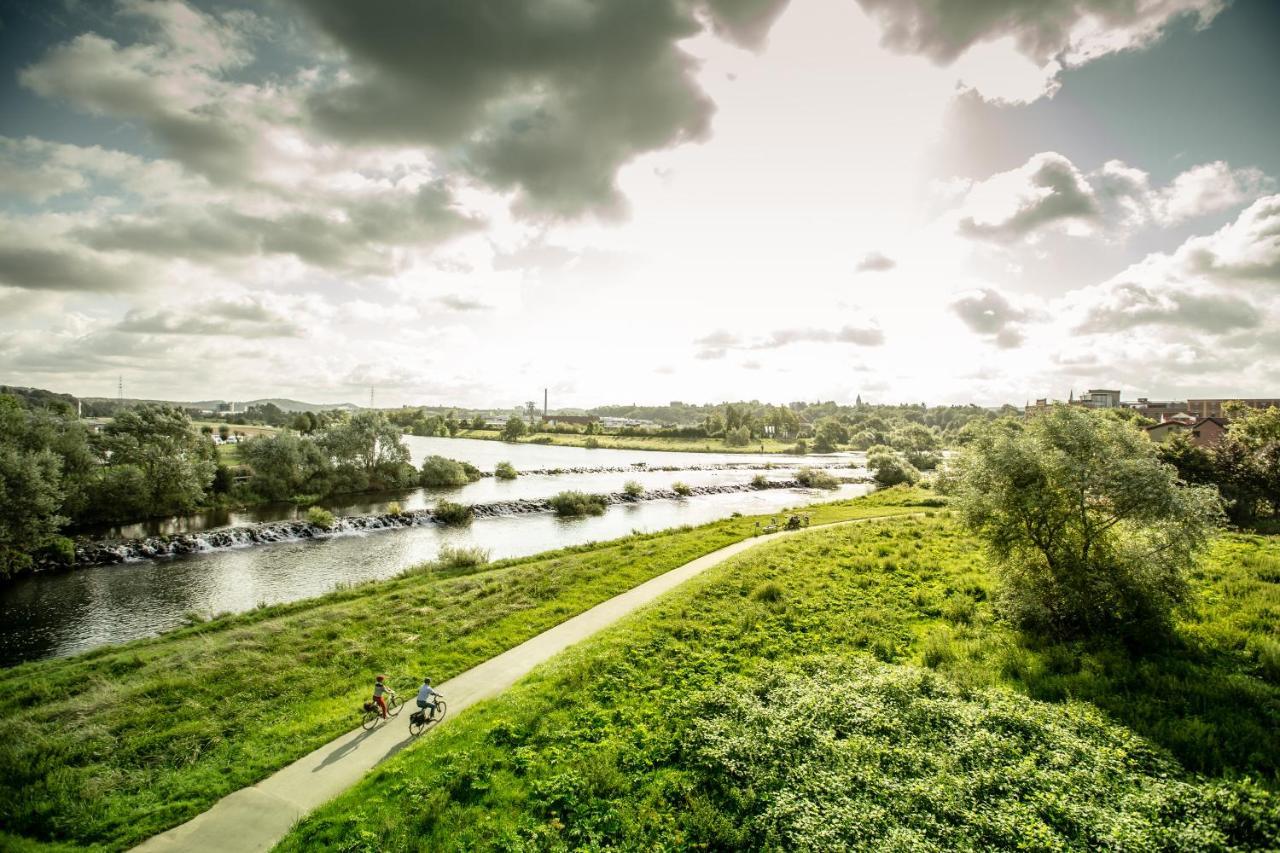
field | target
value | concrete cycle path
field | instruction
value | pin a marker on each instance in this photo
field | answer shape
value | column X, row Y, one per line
column 257, row 817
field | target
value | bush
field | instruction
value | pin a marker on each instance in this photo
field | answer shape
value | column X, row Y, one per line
column 591, row 443
column 632, row 489
column 801, row 448
column 575, row 504
column 889, row 467
column 452, row 513
column 320, row 517
column 505, row 471
column 739, row 437
column 681, row 488
column 440, row 472
column 461, row 557
column 814, row 478
column 768, row 593
column 759, row 481
column 395, row 509
column 59, row 550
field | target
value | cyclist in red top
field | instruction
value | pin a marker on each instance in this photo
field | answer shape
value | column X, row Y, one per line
column 380, row 689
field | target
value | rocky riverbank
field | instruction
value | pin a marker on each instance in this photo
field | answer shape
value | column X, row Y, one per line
column 267, row 533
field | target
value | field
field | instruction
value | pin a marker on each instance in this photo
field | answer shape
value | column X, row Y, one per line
column 852, row 688
column 113, row 746
column 622, row 442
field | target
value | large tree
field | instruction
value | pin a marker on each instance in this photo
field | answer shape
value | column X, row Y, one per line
column 1090, row 531
column 176, row 464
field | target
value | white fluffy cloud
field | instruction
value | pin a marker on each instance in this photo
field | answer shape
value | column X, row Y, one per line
column 1049, row 192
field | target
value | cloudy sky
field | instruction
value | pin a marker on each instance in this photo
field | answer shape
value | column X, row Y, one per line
column 464, row 202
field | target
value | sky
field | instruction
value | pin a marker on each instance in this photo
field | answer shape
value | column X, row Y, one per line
column 463, row 203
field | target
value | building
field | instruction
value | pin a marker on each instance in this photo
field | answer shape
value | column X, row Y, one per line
column 580, row 420
column 1159, row 410
column 1098, row 398
column 1162, row 432
column 1207, row 432
column 1213, row 408
column 1041, row 406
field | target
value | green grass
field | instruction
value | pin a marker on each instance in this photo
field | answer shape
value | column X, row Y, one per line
column 115, row 745
column 852, row 688
column 623, row 442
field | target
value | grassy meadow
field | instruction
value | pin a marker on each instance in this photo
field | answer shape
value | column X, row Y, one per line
column 852, row 688
column 628, row 442
column 112, row 746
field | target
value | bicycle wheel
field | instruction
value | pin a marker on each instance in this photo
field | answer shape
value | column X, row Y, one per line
column 394, row 705
column 417, row 723
column 438, row 714
column 370, row 719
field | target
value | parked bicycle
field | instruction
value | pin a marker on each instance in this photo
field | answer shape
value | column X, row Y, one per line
column 420, row 719
column 371, row 713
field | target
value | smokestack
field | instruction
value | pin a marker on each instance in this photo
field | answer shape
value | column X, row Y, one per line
column 544, row 404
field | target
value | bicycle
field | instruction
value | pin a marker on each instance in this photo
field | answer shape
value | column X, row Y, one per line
column 372, row 713
column 418, row 720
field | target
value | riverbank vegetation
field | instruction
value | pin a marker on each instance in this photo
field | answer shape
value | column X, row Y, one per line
column 574, row 504
column 113, row 746
column 58, row 476
column 872, row 697
column 438, row 472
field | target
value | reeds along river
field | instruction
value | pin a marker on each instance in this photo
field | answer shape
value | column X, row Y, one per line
column 64, row 612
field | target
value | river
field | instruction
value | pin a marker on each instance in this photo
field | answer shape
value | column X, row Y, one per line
column 61, row 613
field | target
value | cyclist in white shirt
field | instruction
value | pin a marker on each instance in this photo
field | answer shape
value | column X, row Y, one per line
column 425, row 694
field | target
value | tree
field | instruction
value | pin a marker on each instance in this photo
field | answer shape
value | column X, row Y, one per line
column 1091, row 533
column 737, row 437
column 478, row 422
column 368, row 442
column 442, row 472
column 514, row 429
column 30, row 495
column 285, row 465
column 828, row 435
column 176, row 463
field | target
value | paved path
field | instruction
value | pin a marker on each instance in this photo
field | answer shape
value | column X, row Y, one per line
column 257, row 817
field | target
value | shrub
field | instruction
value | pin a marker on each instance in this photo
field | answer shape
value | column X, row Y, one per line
column 573, row 504
column 681, row 488
column 440, row 472
column 767, row 592
column 394, row 508
column 632, row 489
column 461, row 557
column 320, row 517
column 591, row 443
column 739, row 437
column 801, row 448
column 448, row 512
column 59, row 550
column 505, row 471
column 759, row 481
column 889, row 467
column 814, row 478
column 473, row 473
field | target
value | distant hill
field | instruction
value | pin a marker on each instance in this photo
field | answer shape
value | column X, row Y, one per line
column 281, row 402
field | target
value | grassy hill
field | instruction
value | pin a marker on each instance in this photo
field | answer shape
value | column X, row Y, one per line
column 113, row 746
column 853, row 689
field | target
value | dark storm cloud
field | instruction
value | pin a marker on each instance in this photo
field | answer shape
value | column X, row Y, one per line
column 544, row 97
column 42, row 268
column 1042, row 29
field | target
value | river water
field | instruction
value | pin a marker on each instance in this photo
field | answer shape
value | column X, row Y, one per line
column 61, row 613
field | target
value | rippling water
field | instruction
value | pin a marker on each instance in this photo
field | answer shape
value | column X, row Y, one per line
column 61, row 613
